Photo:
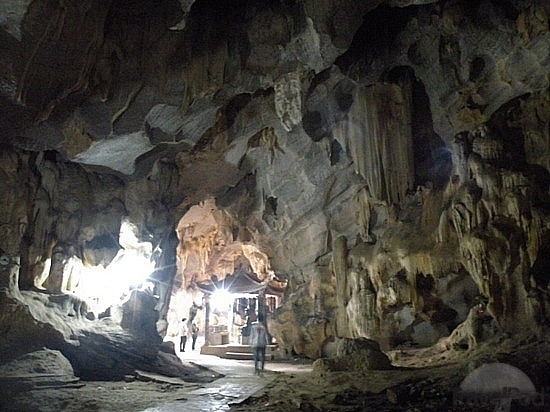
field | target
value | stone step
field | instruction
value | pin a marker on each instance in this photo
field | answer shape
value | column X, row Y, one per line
column 244, row 356
column 247, row 348
column 238, row 348
column 238, row 355
column 242, row 351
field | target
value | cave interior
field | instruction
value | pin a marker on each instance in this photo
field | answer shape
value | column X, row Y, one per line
column 377, row 171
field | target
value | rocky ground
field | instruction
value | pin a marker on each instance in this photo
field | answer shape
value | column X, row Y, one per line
column 422, row 380
column 43, row 381
column 98, row 396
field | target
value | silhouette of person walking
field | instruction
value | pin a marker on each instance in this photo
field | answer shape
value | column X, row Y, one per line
column 183, row 334
column 258, row 341
column 194, row 335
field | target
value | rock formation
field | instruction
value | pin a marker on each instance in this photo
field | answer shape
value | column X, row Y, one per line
column 387, row 160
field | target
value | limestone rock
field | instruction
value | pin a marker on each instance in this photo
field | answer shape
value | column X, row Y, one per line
column 354, row 355
column 41, row 369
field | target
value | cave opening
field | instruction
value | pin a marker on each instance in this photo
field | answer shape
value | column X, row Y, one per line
column 123, row 266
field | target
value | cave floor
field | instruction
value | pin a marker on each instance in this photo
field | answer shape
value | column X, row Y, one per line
column 236, row 387
column 423, row 380
column 163, row 394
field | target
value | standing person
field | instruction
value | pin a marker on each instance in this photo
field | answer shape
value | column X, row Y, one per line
column 258, row 341
column 183, row 334
column 194, row 334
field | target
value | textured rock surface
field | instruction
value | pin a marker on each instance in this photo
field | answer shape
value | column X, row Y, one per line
column 44, row 368
column 97, row 349
column 390, row 159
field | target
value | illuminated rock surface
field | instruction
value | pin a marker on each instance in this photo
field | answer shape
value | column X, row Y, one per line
column 386, row 162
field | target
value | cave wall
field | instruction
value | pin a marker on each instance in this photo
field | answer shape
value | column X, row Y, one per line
column 391, row 158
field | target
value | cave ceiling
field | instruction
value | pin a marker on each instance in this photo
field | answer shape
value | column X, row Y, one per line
column 116, row 84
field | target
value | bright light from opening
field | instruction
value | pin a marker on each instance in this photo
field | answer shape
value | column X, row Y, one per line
column 130, row 268
column 220, row 299
column 106, row 286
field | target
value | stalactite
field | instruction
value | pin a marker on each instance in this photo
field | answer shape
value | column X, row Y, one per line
column 488, row 148
column 443, row 227
column 288, row 100
column 364, row 214
column 433, row 216
column 377, row 135
column 205, row 72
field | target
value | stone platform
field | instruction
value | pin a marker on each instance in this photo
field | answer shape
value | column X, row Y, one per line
column 238, row 352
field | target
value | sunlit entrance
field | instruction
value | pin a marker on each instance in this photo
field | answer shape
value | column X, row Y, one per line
column 102, row 285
